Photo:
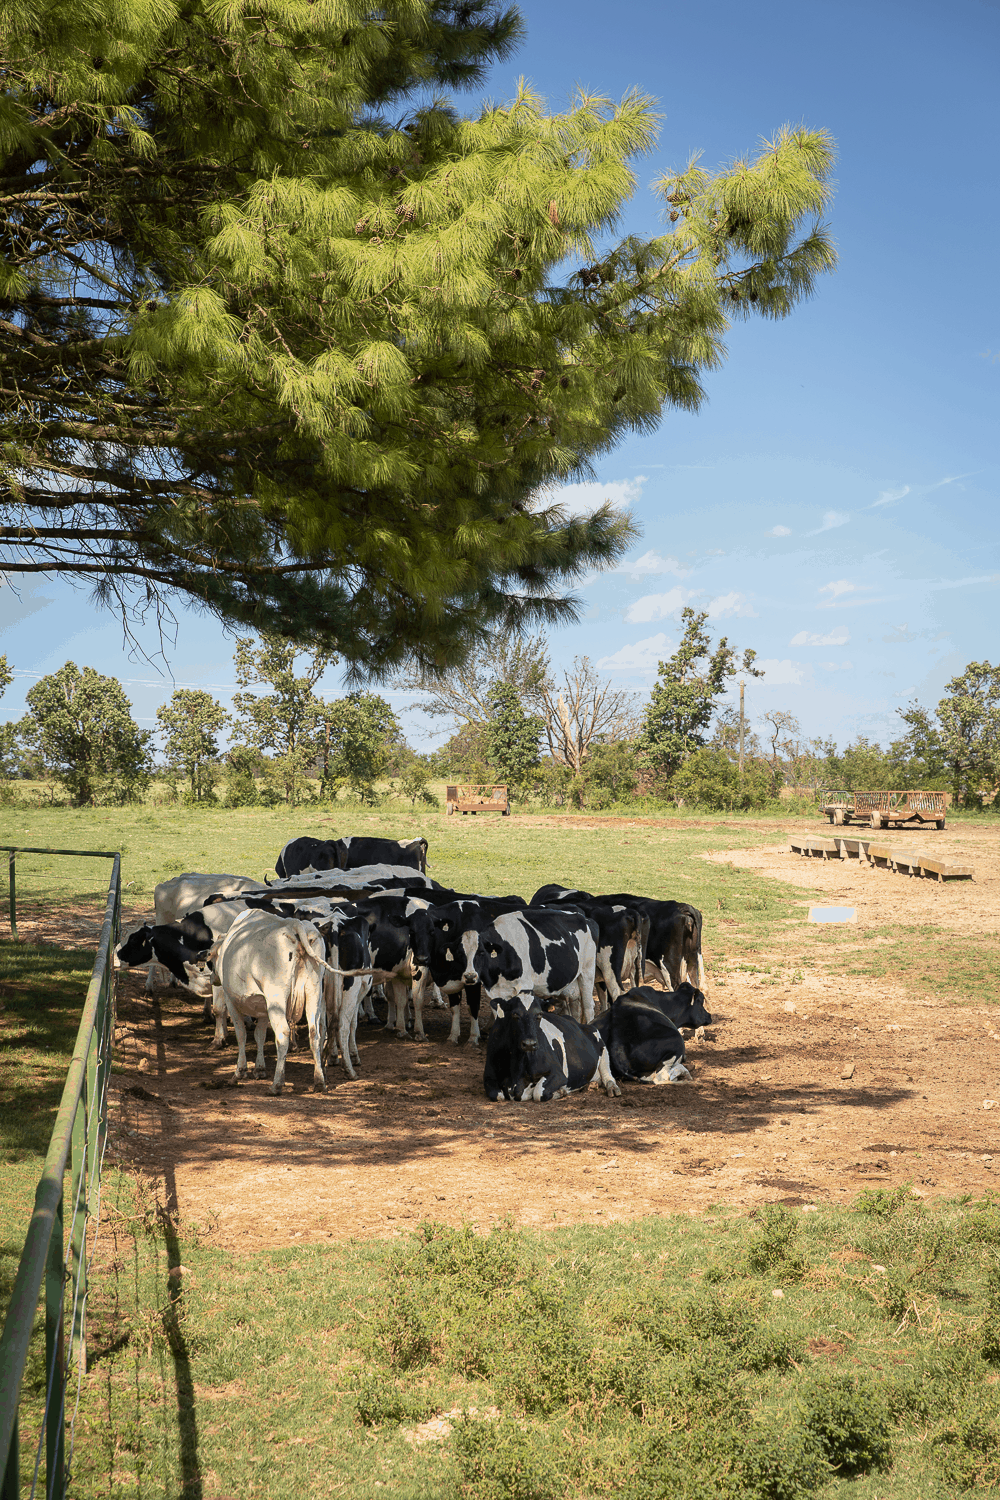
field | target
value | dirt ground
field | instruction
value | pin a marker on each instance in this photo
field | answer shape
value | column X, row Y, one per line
column 802, row 1094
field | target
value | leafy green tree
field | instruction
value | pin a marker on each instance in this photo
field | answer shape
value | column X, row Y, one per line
column 287, row 340
column 362, row 729
column 283, row 723
column 82, row 725
column 712, row 779
column 612, row 767
column 969, row 716
column 10, row 760
column 683, row 698
column 190, row 723
column 512, row 737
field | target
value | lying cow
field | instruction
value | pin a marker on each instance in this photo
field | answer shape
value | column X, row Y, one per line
column 272, row 969
column 530, row 1055
column 353, row 852
column 643, row 1043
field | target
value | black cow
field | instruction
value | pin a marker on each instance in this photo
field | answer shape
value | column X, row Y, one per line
column 674, row 941
column 353, row 852
column 166, row 944
column 345, row 933
column 530, row 1055
column 685, row 1006
column 306, row 854
column 391, row 945
column 644, row 1044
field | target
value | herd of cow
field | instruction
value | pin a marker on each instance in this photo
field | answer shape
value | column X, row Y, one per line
column 348, row 914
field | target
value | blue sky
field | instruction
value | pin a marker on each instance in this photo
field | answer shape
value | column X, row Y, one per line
column 833, row 504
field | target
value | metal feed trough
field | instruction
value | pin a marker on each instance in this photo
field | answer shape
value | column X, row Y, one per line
column 883, row 809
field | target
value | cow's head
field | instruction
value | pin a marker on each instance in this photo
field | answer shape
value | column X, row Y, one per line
column 496, row 962
column 695, row 1001
column 137, row 947
column 522, row 1012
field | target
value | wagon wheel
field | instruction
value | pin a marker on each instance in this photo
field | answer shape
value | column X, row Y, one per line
column 876, row 820
column 838, row 817
column 940, row 823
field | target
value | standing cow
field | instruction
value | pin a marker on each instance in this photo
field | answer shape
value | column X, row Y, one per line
column 271, row 969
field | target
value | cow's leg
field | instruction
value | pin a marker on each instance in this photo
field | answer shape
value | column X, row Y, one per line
column 220, row 1011
column 400, row 996
column 671, row 1071
column 316, row 1016
column 701, row 972
column 346, row 1022
column 239, row 1027
column 421, row 982
column 604, row 1075
column 279, row 1025
column 260, row 1035
column 353, row 1041
column 367, row 1006
column 149, row 976
column 665, row 975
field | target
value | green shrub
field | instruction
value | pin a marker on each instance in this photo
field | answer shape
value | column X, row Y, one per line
column 738, row 1321
column 772, row 1247
column 381, row 1400
column 882, row 1203
column 782, row 1464
column 989, row 1336
column 402, row 1337
column 506, row 1460
column 848, row 1417
column 968, row 1449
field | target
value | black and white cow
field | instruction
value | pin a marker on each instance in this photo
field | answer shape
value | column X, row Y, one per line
column 674, row 941
column 685, row 1006
column 534, row 1056
column 306, row 854
column 390, row 943
column 550, row 954
column 166, row 944
column 352, row 852
column 345, row 933
column 173, row 899
column 643, row 1043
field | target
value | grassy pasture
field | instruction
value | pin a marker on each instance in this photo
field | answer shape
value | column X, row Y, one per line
column 646, row 1360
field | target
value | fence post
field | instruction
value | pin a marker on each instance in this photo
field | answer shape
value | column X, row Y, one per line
column 13, row 899
column 55, row 1362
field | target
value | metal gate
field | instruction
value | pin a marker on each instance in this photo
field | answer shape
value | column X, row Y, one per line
column 78, row 1140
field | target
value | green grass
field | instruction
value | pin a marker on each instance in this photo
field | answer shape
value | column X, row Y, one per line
column 643, row 1361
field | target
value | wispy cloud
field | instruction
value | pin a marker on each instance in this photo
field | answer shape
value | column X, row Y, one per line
column 779, row 531
column 658, row 606
column 837, row 666
column 889, row 497
column 836, row 637
column 842, row 586
column 831, row 520
column 581, row 499
column 731, row 604
column 782, row 673
column 641, row 659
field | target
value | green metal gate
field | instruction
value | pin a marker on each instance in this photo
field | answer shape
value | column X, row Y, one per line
column 78, row 1140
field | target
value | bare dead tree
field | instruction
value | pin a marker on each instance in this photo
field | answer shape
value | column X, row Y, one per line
column 584, row 709
column 783, row 731
column 520, row 661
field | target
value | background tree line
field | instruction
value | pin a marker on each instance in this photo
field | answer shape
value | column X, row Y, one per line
column 557, row 739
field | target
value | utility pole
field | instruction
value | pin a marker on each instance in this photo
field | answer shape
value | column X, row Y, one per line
column 741, row 726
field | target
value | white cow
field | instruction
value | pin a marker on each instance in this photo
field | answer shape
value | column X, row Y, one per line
column 272, row 969
column 174, row 898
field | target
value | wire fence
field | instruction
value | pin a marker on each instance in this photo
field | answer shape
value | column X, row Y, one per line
column 56, row 1254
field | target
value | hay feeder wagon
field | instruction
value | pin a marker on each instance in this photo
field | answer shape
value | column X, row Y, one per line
column 477, row 799
column 883, row 809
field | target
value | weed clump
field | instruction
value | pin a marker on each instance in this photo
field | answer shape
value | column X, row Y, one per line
column 380, row 1401
column 989, row 1337
column 849, row 1420
column 968, row 1450
column 506, row 1460
column 773, row 1246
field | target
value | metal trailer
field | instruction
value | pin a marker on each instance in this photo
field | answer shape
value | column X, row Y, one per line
column 475, row 799
column 884, row 809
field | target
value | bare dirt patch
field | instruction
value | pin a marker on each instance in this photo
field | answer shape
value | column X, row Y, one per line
column 769, row 1117
column 883, row 898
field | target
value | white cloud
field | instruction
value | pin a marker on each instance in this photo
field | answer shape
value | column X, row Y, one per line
column 640, row 659
column 841, row 586
column 652, row 565
column 782, row 673
column 731, row 604
column 838, row 666
column 838, row 637
column 889, row 497
column 780, row 531
column 658, row 606
column 581, row 499
column 831, row 520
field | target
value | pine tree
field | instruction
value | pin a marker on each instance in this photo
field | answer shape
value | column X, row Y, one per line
column 287, row 342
